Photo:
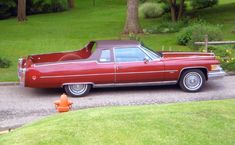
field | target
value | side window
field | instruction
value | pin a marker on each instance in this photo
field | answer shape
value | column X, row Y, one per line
column 129, row 55
column 105, row 56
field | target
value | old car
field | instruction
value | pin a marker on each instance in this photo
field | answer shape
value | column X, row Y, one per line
column 112, row 63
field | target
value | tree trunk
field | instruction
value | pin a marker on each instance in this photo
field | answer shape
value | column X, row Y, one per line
column 21, row 11
column 132, row 19
column 181, row 9
column 71, row 4
column 172, row 4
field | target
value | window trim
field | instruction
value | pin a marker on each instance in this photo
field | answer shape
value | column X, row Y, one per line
column 111, row 56
column 138, row 47
column 146, row 51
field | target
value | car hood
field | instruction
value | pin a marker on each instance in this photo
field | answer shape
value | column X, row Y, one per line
column 186, row 54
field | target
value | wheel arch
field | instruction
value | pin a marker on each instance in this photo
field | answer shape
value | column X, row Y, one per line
column 77, row 83
column 203, row 69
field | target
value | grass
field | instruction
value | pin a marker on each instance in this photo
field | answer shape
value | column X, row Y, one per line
column 72, row 29
column 198, row 123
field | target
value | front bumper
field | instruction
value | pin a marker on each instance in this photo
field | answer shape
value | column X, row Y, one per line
column 216, row 74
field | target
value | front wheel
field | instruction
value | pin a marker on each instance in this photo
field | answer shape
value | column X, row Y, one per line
column 192, row 80
column 77, row 90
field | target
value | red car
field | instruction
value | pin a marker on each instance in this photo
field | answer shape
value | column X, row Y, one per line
column 117, row 63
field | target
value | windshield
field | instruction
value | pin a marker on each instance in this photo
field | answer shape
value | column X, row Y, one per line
column 154, row 55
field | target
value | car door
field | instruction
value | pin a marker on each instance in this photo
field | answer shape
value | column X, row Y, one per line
column 104, row 70
column 132, row 65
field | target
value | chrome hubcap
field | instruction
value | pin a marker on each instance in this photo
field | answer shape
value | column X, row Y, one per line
column 192, row 81
column 77, row 89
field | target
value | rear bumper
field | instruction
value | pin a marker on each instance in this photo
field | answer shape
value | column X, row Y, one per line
column 21, row 72
column 216, row 74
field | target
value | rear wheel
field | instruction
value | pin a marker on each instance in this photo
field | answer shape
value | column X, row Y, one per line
column 77, row 90
column 192, row 80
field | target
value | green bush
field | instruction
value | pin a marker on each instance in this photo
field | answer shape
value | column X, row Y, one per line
column 4, row 63
column 45, row 6
column 200, row 4
column 197, row 32
column 5, row 8
column 144, row 1
column 225, row 55
column 166, row 27
column 9, row 7
column 150, row 10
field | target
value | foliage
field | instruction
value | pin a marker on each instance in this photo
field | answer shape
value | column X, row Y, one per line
column 200, row 4
column 225, row 55
column 133, row 36
column 9, row 7
column 144, row 1
column 197, row 31
column 166, row 27
column 150, row 10
column 4, row 63
column 45, row 6
column 5, row 8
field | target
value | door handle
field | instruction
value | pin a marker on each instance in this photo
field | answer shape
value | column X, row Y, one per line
column 119, row 67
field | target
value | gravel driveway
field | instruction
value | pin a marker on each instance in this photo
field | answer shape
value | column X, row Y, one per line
column 23, row 105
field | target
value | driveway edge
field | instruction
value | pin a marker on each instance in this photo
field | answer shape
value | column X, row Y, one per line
column 9, row 83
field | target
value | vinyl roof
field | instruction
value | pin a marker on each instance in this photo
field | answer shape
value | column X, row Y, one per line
column 116, row 43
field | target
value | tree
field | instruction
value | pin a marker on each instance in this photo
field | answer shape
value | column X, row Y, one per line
column 21, row 10
column 71, row 4
column 132, row 19
column 177, row 7
column 176, row 10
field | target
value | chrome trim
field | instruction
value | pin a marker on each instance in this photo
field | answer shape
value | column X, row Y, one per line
column 139, row 47
column 194, row 67
column 193, row 56
column 22, row 81
column 77, row 83
column 186, row 53
column 143, row 48
column 43, row 77
column 216, row 74
column 135, row 84
column 124, row 84
column 68, row 62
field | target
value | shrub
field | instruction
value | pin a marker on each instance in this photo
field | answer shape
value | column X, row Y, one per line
column 133, row 36
column 4, row 63
column 197, row 32
column 166, row 27
column 44, row 6
column 225, row 55
column 200, row 4
column 5, row 8
column 150, row 10
column 144, row 1
column 9, row 7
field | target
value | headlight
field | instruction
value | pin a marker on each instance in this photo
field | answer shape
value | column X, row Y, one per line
column 216, row 67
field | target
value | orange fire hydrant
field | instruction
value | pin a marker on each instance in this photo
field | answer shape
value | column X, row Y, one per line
column 63, row 105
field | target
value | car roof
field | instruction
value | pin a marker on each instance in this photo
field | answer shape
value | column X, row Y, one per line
column 100, row 44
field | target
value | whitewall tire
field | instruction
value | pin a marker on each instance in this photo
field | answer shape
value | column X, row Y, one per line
column 77, row 90
column 192, row 80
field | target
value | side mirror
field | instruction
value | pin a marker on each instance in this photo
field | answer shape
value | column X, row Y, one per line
column 146, row 60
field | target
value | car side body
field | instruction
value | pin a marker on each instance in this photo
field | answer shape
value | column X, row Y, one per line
column 113, row 63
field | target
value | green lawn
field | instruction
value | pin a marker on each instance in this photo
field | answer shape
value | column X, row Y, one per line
column 72, row 29
column 197, row 123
